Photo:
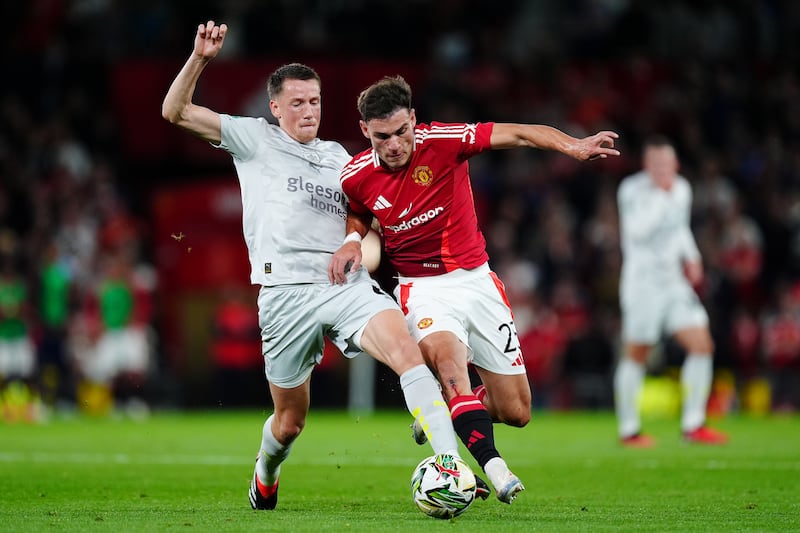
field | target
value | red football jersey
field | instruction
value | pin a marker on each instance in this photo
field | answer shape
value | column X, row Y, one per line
column 426, row 208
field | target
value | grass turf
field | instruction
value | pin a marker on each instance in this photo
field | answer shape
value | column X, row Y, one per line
column 191, row 472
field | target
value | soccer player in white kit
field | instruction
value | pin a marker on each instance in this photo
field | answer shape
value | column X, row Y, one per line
column 293, row 222
column 415, row 181
column 661, row 262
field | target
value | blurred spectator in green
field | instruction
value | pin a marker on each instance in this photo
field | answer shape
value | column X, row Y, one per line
column 115, row 368
column 18, row 396
column 55, row 304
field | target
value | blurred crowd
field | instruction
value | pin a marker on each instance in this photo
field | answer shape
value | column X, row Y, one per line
column 720, row 78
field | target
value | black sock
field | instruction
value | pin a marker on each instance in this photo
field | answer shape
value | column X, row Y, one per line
column 473, row 426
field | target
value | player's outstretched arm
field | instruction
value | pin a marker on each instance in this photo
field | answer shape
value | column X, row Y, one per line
column 597, row 146
column 350, row 251
column 177, row 107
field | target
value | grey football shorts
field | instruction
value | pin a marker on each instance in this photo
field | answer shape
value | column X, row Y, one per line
column 294, row 319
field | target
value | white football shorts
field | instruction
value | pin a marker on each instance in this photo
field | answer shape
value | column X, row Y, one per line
column 294, row 319
column 471, row 304
column 17, row 358
column 117, row 351
column 649, row 312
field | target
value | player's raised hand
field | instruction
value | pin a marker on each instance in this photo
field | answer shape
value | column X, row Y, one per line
column 598, row 146
column 209, row 38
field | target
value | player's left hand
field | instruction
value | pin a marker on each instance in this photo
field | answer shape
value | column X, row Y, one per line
column 598, row 146
column 348, row 255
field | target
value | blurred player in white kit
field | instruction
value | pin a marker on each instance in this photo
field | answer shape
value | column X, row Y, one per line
column 661, row 263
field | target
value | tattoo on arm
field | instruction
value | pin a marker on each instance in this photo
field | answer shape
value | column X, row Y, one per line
column 452, row 384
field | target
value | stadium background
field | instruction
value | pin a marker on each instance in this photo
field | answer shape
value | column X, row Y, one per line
column 93, row 180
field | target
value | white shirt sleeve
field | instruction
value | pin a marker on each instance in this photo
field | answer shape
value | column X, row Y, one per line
column 240, row 135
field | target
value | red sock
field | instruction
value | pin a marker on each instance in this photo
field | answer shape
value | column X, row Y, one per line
column 479, row 392
column 266, row 490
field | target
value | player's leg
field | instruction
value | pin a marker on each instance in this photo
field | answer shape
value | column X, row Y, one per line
column 496, row 353
column 422, row 392
column 292, row 344
column 437, row 312
column 643, row 314
column 366, row 319
column 386, row 338
column 504, row 391
column 696, row 377
column 628, row 383
column 448, row 356
column 279, row 432
column 687, row 321
column 507, row 398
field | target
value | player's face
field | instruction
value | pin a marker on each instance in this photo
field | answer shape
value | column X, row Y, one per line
column 298, row 109
column 392, row 137
column 662, row 165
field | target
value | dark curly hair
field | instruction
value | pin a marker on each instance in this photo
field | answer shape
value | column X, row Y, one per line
column 384, row 97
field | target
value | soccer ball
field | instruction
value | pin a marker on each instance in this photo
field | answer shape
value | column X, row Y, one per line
column 443, row 486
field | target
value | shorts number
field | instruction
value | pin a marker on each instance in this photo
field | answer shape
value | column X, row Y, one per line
column 512, row 341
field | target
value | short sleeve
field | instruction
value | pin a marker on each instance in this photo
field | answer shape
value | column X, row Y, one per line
column 240, row 135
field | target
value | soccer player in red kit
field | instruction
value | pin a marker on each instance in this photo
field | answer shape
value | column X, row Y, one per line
column 415, row 181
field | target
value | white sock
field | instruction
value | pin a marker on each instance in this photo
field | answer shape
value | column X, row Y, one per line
column 696, row 375
column 425, row 403
column 271, row 455
column 497, row 471
column 628, row 381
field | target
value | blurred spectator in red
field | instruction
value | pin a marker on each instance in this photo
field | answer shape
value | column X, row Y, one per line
column 236, row 350
column 741, row 254
column 541, row 335
column 781, row 346
column 745, row 343
column 588, row 355
column 600, row 249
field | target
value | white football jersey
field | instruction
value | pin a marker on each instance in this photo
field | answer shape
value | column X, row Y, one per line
column 655, row 230
column 293, row 205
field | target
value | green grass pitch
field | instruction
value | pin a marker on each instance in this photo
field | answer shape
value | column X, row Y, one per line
column 191, row 471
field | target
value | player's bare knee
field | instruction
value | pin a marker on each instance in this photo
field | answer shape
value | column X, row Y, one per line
column 289, row 429
column 702, row 345
column 703, row 349
column 709, row 346
column 520, row 420
column 518, row 416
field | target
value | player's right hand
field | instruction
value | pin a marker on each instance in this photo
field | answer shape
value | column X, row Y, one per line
column 209, row 38
column 349, row 254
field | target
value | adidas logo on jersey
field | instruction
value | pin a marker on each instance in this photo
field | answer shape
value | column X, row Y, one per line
column 381, row 203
